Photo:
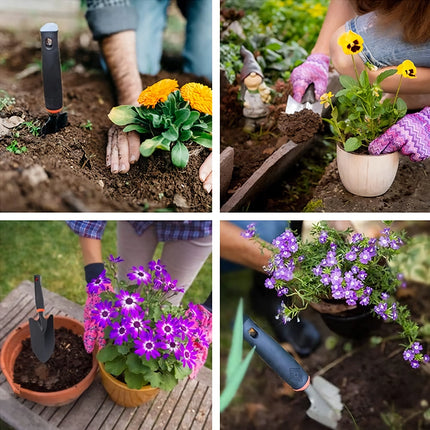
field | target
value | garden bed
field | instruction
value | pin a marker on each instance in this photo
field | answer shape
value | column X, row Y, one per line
column 66, row 171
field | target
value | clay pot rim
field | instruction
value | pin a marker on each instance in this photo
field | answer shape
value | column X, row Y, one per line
column 47, row 398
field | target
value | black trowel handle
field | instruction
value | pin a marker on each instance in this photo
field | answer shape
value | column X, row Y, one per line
column 40, row 305
column 51, row 68
column 309, row 95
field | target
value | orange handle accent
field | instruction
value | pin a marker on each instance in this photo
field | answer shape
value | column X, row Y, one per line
column 304, row 386
column 40, row 310
column 54, row 111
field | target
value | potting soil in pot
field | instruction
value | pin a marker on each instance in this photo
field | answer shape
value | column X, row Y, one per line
column 68, row 365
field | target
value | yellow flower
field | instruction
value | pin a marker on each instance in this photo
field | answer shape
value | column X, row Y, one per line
column 325, row 99
column 159, row 91
column 351, row 43
column 199, row 96
column 407, row 69
column 317, row 10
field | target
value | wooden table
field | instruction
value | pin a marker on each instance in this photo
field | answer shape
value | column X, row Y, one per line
column 188, row 406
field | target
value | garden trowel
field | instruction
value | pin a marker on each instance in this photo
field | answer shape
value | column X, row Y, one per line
column 308, row 102
column 52, row 87
column 326, row 404
column 41, row 330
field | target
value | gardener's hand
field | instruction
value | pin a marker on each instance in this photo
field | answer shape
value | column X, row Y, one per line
column 205, row 173
column 313, row 70
column 410, row 136
column 122, row 149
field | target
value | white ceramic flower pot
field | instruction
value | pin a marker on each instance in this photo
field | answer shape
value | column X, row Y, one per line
column 367, row 175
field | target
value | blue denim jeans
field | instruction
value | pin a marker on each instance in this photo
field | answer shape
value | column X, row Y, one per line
column 197, row 52
column 384, row 46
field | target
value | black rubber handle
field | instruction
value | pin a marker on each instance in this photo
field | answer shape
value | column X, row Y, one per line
column 275, row 356
column 51, row 68
column 38, row 292
column 309, row 95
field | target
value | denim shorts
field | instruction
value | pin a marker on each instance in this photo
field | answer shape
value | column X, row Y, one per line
column 384, row 45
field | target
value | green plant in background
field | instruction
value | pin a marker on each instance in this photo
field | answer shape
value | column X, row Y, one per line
column 6, row 100
column 33, row 127
column 15, row 148
column 169, row 118
column 87, row 125
column 236, row 367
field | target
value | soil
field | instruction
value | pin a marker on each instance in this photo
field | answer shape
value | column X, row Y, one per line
column 67, row 366
column 373, row 380
column 66, row 171
column 251, row 150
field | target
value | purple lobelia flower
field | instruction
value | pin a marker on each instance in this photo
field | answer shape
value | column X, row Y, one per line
column 365, row 256
column 139, row 275
column 416, row 347
column 119, row 332
column 356, row 237
column 166, row 327
column 270, row 283
column 128, row 302
column 336, row 276
column 249, row 232
column 323, row 237
column 187, row 355
column 415, row 364
column 408, row 355
column 148, row 345
column 136, row 323
column 330, row 259
column 350, row 256
column 384, row 241
column 99, row 284
column 103, row 313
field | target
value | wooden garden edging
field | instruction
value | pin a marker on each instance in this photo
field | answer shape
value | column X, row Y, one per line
column 188, row 406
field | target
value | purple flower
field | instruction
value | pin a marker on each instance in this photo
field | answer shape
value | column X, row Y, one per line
column 364, row 300
column 333, row 246
column 103, row 313
column 147, row 345
column 408, row 355
column 173, row 346
column 355, row 269
column 385, row 296
column 323, row 237
column 157, row 267
column 283, row 273
column 365, row 256
column 115, row 259
column 136, row 324
column 336, row 276
column 270, row 283
column 249, row 232
column 99, row 284
column 337, row 292
column 317, row 271
column 351, row 256
column 325, row 278
column 426, row 358
column 119, row 332
column 128, row 302
column 187, row 355
column 331, row 259
column 400, row 276
column 415, row 364
column 416, row 347
column 301, row 258
column 166, row 327
column 282, row 291
column 362, row 275
column 184, row 327
column 139, row 275
column 384, row 241
column 356, row 237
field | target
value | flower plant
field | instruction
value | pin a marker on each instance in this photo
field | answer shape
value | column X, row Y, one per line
column 144, row 338
column 343, row 266
column 361, row 112
column 169, row 118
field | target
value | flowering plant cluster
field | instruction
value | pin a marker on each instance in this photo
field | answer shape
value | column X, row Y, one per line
column 361, row 112
column 145, row 339
column 342, row 266
column 169, row 118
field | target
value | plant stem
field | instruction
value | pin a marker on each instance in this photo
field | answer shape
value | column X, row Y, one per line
column 397, row 92
column 355, row 70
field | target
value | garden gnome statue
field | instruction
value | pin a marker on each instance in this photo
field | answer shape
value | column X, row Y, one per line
column 255, row 93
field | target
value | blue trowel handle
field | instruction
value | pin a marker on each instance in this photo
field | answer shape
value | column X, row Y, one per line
column 275, row 356
column 51, row 68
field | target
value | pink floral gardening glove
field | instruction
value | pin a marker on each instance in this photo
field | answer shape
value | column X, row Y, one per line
column 410, row 136
column 93, row 333
column 313, row 70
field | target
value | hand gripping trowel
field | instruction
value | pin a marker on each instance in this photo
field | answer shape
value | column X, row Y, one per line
column 52, row 86
column 308, row 102
column 326, row 404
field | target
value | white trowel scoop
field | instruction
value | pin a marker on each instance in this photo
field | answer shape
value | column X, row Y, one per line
column 326, row 404
column 308, row 102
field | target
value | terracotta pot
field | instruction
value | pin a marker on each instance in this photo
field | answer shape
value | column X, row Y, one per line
column 124, row 396
column 11, row 349
column 367, row 175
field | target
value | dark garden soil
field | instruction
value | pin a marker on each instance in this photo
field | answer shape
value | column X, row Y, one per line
column 67, row 366
column 374, row 381
column 66, row 171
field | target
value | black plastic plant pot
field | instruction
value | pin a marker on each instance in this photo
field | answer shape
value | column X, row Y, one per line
column 354, row 324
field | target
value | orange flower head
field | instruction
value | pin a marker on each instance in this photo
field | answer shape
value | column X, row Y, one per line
column 157, row 92
column 199, row 96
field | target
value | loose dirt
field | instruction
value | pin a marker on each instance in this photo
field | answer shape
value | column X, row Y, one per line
column 66, row 171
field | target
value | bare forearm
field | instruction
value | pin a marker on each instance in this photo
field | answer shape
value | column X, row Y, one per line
column 418, row 85
column 235, row 248
column 338, row 13
column 119, row 51
column 91, row 250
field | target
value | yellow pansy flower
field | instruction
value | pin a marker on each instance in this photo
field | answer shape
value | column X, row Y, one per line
column 325, row 99
column 407, row 69
column 351, row 43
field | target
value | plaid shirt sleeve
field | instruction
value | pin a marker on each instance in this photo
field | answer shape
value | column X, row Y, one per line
column 106, row 17
column 90, row 229
column 175, row 230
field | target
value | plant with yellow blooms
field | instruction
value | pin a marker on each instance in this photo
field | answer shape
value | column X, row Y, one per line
column 361, row 113
column 169, row 118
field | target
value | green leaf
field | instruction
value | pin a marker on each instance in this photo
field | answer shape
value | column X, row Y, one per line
column 108, row 353
column 364, row 79
column 133, row 380
column 180, row 155
column 116, row 366
column 123, row 115
column 401, row 107
column 123, row 349
column 204, row 139
column 135, row 127
column 384, row 75
column 181, row 372
column 235, row 355
column 194, row 116
column 352, row 144
column 185, row 135
column 181, row 115
column 347, row 81
column 171, row 134
column 134, row 363
column 148, row 146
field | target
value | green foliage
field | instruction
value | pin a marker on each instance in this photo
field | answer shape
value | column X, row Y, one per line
column 33, row 127
column 87, row 125
column 15, row 148
column 236, row 367
column 169, row 126
column 6, row 100
column 360, row 114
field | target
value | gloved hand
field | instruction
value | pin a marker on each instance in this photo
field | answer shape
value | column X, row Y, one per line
column 313, row 70
column 96, row 283
column 410, row 135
